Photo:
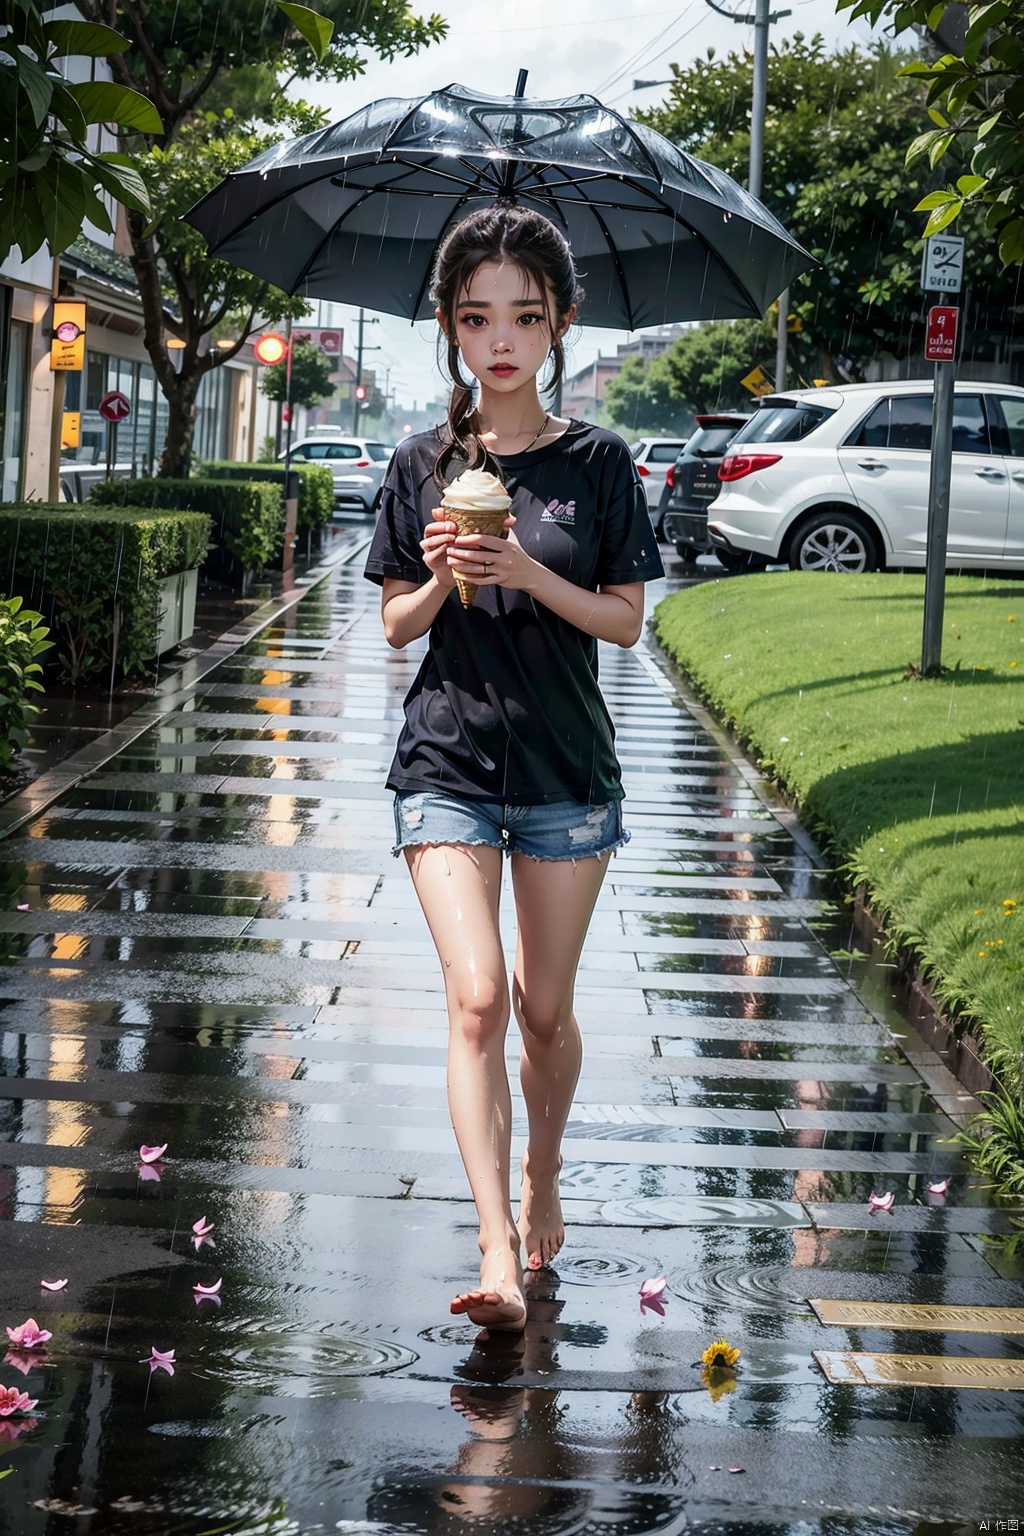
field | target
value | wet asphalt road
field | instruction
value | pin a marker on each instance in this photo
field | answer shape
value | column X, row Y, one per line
column 221, row 955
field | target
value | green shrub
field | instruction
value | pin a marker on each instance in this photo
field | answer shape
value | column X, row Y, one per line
column 82, row 564
column 316, row 487
column 22, row 639
column 248, row 519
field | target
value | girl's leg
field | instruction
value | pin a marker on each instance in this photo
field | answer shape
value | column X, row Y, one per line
column 458, row 888
column 554, row 903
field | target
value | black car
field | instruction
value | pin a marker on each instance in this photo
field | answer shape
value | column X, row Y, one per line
column 692, row 483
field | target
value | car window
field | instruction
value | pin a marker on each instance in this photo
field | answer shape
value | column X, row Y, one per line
column 1011, row 428
column 710, row 440
column 300, row 453
column 905, row 422
column 378, row 452
column 782, row 423
column 343, row 450
column 663, row 453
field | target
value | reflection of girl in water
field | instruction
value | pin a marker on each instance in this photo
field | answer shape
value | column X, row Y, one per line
column 507, row 745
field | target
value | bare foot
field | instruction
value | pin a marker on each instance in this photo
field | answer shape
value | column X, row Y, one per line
column 498, row 1302
column 540, row 1214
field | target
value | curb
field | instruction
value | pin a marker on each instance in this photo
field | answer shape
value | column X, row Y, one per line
column 42, row 792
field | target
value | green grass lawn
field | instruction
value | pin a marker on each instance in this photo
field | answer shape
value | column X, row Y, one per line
column 916, row 786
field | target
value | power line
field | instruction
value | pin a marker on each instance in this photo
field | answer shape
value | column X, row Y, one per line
column 634, row 62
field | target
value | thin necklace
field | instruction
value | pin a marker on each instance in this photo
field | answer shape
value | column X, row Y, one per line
column 539, row 433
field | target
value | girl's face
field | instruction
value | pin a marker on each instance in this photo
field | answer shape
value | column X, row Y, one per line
column 502, row 327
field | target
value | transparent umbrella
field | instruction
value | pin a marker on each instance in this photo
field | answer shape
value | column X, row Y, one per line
column 355, row 212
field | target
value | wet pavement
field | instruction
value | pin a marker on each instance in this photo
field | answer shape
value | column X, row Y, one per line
column 220, row 954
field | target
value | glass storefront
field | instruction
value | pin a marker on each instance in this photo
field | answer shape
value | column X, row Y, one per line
column 140, row 439
column 15, row 338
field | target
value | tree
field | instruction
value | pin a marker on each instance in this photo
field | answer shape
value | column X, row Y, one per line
column 837, row 132
column 50, row 180
column 698, row 373
column 219, row 75
column 311, row 376
column 975, row 99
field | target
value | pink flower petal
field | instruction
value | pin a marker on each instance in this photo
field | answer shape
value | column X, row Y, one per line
column 152, row 1154
column 53, row 1285
column 208, row 1290
column 213, row 1301
column 160, row 1360
column 9, row 1430
column 203, row 1242
column 29, row 1334
column 202, row 1227
column 651, row 1289
column 653, row 1304
column 149, row 1173
column 23, row 906
column 12, row 1401
column 940, row 1188
column 882, row 1202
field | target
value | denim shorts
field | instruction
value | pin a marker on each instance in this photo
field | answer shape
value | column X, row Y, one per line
column 563, row 830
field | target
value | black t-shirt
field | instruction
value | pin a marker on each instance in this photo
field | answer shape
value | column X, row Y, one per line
column 506, row 705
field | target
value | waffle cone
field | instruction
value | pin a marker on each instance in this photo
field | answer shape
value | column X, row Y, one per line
column 482, row 521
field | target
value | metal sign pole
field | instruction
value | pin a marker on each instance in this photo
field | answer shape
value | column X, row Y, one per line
column 938, row 519
column 291, row 487
column 941, row 271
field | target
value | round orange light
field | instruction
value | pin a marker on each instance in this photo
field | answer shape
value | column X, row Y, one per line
column 271, row 348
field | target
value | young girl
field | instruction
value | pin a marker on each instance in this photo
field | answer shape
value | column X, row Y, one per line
column 507, row 745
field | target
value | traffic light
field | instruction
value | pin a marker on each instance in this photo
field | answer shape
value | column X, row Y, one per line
column 271, row 349
column 360, row 391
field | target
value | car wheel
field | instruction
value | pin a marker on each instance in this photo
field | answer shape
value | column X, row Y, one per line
column 833, row 541
column 686, row 552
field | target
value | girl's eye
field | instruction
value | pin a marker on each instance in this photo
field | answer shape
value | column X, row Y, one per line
column 529, row 319
column 474, row 321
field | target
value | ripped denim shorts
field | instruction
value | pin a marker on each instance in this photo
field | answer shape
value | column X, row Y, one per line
column 562, row 830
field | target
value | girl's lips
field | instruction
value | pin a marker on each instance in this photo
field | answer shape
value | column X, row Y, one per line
column 503, row 369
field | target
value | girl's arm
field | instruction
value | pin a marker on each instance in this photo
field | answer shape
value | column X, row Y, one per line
column 409, row 610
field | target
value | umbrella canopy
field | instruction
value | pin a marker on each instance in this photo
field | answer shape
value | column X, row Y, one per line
column 355, row 212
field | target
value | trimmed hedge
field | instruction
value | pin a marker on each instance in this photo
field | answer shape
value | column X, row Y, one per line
column 78, row 564
column 316, row 487
column 248, row 520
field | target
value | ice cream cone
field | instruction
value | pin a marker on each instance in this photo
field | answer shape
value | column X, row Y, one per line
column 477, row 503
column 475, row 522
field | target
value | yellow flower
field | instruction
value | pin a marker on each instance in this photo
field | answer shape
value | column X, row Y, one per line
column 1013, row 663
column 981, row 954
column 720, row 1356
column 978, row 911
column 1009, row 904
column 718, row 1383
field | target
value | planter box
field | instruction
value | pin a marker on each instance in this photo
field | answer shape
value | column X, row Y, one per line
column 177, row 599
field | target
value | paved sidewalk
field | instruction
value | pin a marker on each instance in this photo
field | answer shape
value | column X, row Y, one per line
column 221, row 954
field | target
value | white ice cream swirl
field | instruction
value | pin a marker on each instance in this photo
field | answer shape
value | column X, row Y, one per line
column 476, row 490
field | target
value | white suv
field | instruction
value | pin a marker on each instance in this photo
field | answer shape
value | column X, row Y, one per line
column 358, row 464
column 654, row 457
column 837, row 479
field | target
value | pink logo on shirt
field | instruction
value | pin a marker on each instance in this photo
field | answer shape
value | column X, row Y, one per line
column 555, row 512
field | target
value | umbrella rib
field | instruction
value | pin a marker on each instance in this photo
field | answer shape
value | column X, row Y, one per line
column 677, row 218
column 616, row 260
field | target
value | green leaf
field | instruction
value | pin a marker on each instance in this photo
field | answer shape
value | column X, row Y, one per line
column 85, row 38
column 119, row 176
column 943, row 216
column 316, row 29
column 933, row 200
column 937, row 118
column 1011, row 243
column 984, row 129
column 67, row 111
column 939, row 148
column 968, row 185
column 103, row 102
column 36, row 84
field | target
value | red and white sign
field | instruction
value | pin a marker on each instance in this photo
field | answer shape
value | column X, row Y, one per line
column 115, row 407
column 330, row 342
column 940, row 336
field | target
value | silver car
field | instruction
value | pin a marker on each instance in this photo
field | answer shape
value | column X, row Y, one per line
column 358, row 465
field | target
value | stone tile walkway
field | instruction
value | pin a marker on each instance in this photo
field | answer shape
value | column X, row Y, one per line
column 220, row 954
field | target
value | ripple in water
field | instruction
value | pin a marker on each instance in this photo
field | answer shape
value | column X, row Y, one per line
column 309, row 1364
column 751, row 1290
column 599, row 1269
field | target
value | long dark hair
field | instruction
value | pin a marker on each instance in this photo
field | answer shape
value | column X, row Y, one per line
column 503, row 232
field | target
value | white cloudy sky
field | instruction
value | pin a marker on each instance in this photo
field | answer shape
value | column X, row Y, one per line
column 597, row 46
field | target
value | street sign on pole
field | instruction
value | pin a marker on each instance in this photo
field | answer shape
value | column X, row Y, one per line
column 942, row 269
column 940, row 336
column 115, row 406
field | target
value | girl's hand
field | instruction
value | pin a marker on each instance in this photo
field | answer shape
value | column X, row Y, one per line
column 435, row 544
column 488, row 561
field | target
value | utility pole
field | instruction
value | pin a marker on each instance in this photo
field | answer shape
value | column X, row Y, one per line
column 360, row 349
column 761, row 21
